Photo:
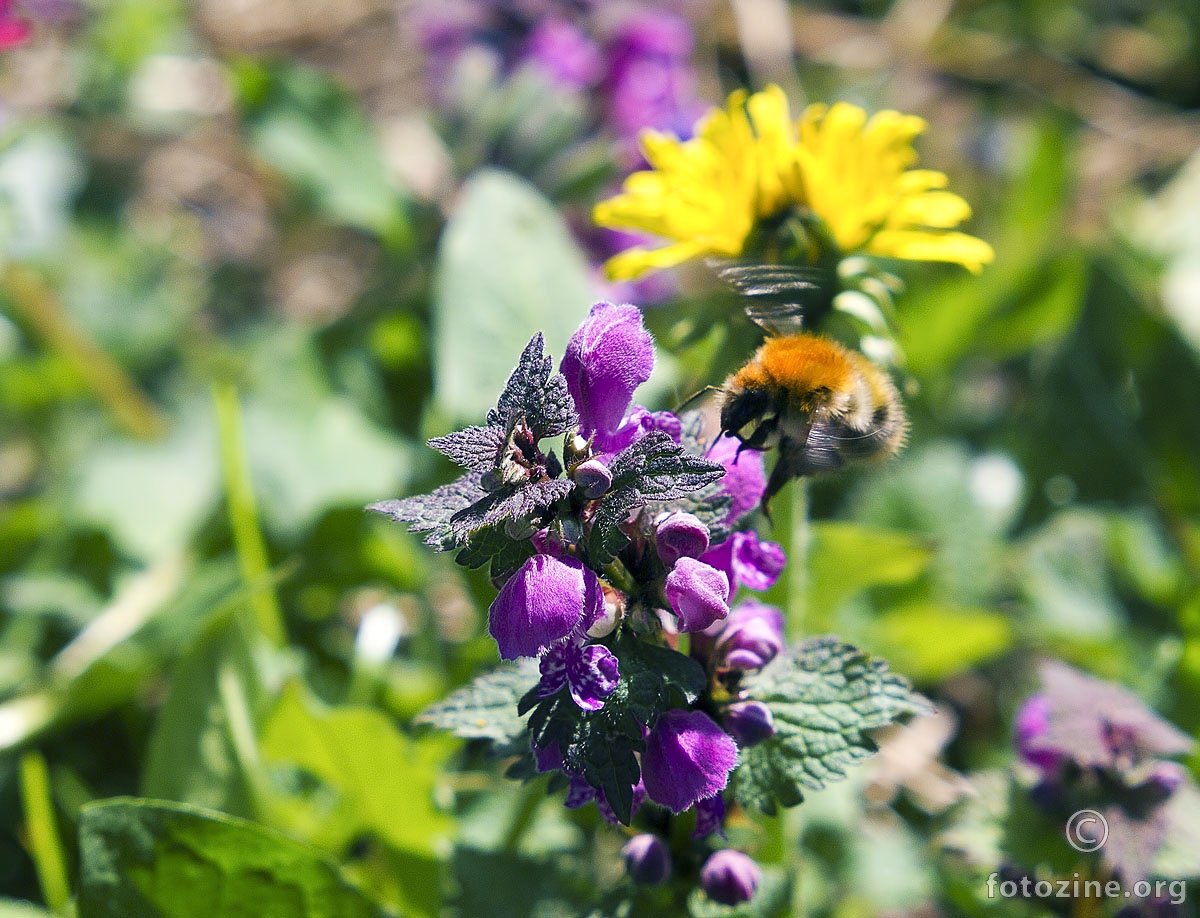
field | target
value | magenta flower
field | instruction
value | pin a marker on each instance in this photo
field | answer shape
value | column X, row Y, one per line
column 542, row 603
column 698, row 594
column 747, row 561
column 1032, row 722
column 591, row 672
column 744, row 481
column 687, row 758
column 730, row 877
column 565, row 54
column 680, row 535
column 606, row 360
column 14, row 29
column 647, row 860
column 749, row 722
column 752, row 637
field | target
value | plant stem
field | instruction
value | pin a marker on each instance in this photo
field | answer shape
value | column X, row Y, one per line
column 243, row 517
column 45, row 846
column 37, row 306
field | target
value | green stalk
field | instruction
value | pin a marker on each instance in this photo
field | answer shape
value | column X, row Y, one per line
column 799, row 536
column 45, row 846
column 243, row 517
column 39, row 308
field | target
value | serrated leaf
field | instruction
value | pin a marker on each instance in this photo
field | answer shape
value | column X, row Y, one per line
column 432, row 513
column 492, row 545
column 824, row 696
column 486, row 708
column 520, row 502
column 474, row 448
column 537, row 394
column 141, row 857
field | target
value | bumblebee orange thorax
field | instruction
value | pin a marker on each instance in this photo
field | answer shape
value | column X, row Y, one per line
column 799, row 363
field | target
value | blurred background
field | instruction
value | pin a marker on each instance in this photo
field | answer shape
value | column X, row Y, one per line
column 254, row 252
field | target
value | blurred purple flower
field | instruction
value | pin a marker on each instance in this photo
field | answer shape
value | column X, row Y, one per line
column 580, row 793
column 542, row 603
column 749, row 722
column 698, row 594
column 680, row 535
column 1031, row 723
column 744, row 479
column 687, row 758
column 651, row 82
column 752, row 637
column 730, row 877
column 14, row 28
column 747, row 561
column 564, row 53
column 606, row 359
column 591, row 672
column 647, row 860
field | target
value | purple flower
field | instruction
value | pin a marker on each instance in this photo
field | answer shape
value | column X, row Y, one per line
column 710, row 817
column 606, row 359
column 747, row 561
column 14, row 29
column 591, row 672
column 565, row 54
column 593, row 477
column 579, row 793
column 1166, row 778
column 698, row 594
column 647, row 859
column 744, row 481
column 749, row 722
column 651, row 83
column 730, row 877
column 687, row 758
column 542, row 603
column 1032, row 722
column 680, row 535
column 752, row 637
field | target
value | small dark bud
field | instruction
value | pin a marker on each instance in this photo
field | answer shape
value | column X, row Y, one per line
column 749, row 722
column 647, row 859
column 593, row 477
column 730, row 877
column 680, row 535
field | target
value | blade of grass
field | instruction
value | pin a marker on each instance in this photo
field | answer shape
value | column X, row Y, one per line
column 45, row 846
column 243, row 516
column 37, row 305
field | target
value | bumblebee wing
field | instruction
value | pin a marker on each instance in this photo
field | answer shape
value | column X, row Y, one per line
column 776, row 296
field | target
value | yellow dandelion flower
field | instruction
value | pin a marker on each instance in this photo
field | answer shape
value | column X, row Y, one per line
column 748, row 163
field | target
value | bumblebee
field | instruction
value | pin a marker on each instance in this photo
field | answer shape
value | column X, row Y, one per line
column 820, row 403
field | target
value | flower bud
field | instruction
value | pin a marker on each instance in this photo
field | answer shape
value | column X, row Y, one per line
column 646, row 859
column 752, row 637
column 698, row 594
column 593, row 477
column 680, row 535
column 749, row 722
column 687, row 758
column 1030, row 726
column 730, row 877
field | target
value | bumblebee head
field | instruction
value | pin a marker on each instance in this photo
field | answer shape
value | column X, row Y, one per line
column 752, row 415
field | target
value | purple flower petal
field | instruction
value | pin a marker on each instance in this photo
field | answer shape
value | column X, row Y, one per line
column 698, row 594
column 747, row 561
column 687, row 758
column 710, row 817
column 606, row 359
column 730, row 877
column 565, row 54
column 744, row 481
column 593, row 673
column 542, row 603
column 680, row 535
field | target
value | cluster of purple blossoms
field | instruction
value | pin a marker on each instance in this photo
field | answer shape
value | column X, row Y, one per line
column 634, row 62
column 1092, row 744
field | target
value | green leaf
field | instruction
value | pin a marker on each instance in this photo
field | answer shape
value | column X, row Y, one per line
column 847, row 559
column 487, row 707
column 382, row 780
column 142, row 857
column 192, row 757
column 506, row 264
column 824, row 695
column 929, row 641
